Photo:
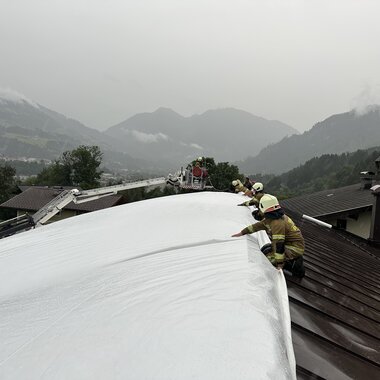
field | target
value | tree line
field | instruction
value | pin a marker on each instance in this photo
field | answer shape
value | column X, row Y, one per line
column 81, row 167
column 321, row 173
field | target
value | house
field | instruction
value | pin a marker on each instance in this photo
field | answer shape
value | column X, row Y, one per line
column 349, row 208
column 148, row 290
column 33, row 198
column 335, row 308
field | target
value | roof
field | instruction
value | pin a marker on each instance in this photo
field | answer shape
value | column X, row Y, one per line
column 23, row 187
column 335, row 308
column 34, row 198
column 331, row 201
column 155, row 289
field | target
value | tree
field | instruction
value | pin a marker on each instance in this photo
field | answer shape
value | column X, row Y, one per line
column 141, row 193
column 58, row 173
column 222, row 174
column 85, row 161
column 79, row 167
column 8, row 185
column 7, row 182
column 325, row 172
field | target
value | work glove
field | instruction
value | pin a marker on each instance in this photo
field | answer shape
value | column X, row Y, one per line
column 256, row 214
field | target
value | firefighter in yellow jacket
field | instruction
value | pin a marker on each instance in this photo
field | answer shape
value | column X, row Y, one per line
column 288, row 244
column 258, row 192
column 239, row 187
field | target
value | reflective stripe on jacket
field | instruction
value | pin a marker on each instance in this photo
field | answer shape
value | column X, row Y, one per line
column 282, row 230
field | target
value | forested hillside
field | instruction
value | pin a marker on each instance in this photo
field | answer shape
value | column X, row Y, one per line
column 326, row 172
column 340, row 133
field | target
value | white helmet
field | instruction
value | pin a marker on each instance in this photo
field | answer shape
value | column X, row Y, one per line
column 258, row 186
column 268, row 203
column 234, row 183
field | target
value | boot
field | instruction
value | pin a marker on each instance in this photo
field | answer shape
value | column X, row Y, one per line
column 298, row 269
column 295, row 267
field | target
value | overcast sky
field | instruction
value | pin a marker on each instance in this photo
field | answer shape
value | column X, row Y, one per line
column 102, row 61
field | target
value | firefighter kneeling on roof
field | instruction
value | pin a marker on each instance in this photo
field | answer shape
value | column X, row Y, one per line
column 239, row 187
column 288, row 244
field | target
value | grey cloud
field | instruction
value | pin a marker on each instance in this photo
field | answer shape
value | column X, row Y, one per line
column 367, row 100
column 7, row 94
column 196, row 146
column 148, row 137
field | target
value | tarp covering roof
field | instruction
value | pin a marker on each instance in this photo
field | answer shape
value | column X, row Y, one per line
column 150, row 290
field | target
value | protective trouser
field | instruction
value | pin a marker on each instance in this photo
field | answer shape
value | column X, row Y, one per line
column 295, row 267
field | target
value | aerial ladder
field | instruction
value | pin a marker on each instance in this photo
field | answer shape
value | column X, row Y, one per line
column 193, row 178
column 26, row 221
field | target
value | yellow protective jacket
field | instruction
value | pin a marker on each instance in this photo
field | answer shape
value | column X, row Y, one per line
column 255, row 200
column 287, row 239
column 241, row 188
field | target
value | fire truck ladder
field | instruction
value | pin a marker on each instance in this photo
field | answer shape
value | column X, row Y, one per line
column 81, row 196
column 25, row 222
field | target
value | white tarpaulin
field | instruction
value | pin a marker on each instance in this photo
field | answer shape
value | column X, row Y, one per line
column 150, row 290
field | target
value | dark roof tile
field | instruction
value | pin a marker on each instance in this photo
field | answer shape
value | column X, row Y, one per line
column 34, row 198
column 335, row 308
column 331, row 201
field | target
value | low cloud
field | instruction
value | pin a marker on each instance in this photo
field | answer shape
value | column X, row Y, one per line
column 196, row 146
column 368, row 100
column 192, row 145
column 149, row 138
column 9, row 95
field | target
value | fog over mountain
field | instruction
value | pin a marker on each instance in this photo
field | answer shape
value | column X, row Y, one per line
column 160, row 140
column 225, row 134
column 28, row 129
column 345, row 132
column 164, row 140
column 102, row 62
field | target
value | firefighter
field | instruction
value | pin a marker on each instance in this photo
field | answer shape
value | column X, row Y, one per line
column 258, row 192
column 288, row 244
column 239, row 187
column 199, row 162
column 248, row 183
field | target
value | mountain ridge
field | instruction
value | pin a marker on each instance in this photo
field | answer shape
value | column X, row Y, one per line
column 164, row 140
column 224, row 133
column 161, row 139
column 344, row 132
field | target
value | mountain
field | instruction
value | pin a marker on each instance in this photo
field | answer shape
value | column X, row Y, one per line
column 328, row 171
column 152, row 142
column 225, row 134
column 38, row 118
column 339, row 133
column 28, row 129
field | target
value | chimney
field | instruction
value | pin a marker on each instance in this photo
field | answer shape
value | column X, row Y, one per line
column 366, row 179
column 374, row 236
